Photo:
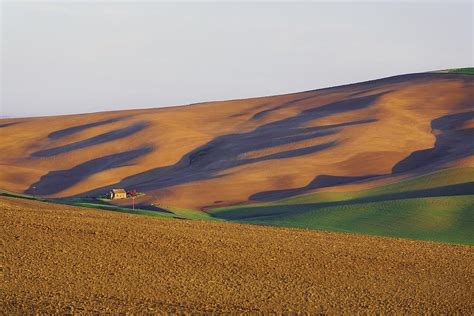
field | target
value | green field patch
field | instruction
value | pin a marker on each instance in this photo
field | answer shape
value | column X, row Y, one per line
column 191, row 214
column 118, row 209
column 20, row 196
column 446, row 219
column 438, row 206
column 466, row 71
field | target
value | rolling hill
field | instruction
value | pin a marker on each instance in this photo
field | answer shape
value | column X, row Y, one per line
column 392, row 156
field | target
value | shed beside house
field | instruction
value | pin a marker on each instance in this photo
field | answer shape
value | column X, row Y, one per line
column 116, row 194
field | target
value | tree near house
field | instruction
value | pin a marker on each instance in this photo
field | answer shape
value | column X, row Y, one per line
column 133, row 194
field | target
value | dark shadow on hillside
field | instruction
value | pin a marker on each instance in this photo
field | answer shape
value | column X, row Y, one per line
column 96, row 140
column 8, row 124
column 76, row 129
column 451, row 143
column 228, row 151
column 250, row 110
column 264, row 113
column 57, row 181
column 321, row 181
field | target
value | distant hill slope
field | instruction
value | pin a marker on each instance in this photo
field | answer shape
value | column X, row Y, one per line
column 345, row 139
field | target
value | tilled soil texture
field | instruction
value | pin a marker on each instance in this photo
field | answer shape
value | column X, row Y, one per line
column 58, row 258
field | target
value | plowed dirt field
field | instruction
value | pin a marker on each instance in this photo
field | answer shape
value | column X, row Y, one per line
column 57, row 258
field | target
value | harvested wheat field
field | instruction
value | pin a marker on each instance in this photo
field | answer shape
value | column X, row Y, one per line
column 58, row 258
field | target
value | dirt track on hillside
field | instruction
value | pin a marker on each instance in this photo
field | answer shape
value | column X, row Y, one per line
column 66, row 259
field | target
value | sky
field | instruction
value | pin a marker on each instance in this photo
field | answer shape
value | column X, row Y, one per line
column 67, row 57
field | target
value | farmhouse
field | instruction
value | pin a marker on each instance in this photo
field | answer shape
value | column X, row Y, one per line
column 116, row 194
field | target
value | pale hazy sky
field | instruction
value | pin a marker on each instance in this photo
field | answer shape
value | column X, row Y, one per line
column 73, row 57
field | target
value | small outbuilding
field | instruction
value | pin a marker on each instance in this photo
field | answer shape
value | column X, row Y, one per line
column 116, row 194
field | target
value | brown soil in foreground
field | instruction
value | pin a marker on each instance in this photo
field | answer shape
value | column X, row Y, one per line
column 58, row 258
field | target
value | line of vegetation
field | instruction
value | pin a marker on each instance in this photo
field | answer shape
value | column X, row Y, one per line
column 465, row 71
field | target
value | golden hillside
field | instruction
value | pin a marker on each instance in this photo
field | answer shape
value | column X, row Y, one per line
column 230, row 152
